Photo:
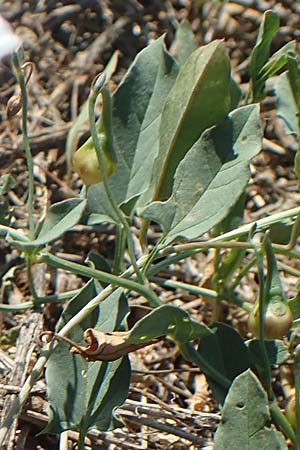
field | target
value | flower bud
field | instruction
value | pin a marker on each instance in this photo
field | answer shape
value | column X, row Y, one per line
column 277, row 321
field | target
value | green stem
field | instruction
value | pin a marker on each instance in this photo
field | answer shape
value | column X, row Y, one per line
column 143, row 235
column 22, row 83
column 151, row 257
column 80, row 445
column 79, row 269
column 4, row 231
column 119, row 250
column 186, row 287
column 242, row 273
column 297, row 398
column 260, row 274
column 282, row 423
column 106, row 99
column 196, row 290
column 31, row 280
column 294, row 235
column 190, row 354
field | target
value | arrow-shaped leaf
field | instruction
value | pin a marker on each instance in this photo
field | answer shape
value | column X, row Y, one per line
column 211, row 178
column 199, row 99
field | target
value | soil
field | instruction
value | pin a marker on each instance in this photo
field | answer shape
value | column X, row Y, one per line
column 69, row 43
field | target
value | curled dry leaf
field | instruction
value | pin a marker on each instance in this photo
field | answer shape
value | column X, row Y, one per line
column 107, row 346
column 101, row 346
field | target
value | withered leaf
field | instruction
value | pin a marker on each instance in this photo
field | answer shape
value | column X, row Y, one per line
column 107, row 346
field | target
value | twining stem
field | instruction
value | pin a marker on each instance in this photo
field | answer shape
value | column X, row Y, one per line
column 262, row 292
column 79, row 269
column 294, row 235
column 120, row 243
column 55, row 298
column 282, row 423
column 243, row 272
column 22, row 82
column 31, row 280
column 196, row 290
column 297, row 395
column 122, row 220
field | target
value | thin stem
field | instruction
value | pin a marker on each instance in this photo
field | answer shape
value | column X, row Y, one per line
column 297, row 398
column 35, row 374
column 190, row 354
column 282, row 423
column 31, row 280
column 80, row 445
column 143, row 235
column 30, row 203
column 294, row 235
column 211, row 244
column 151, row 256
column 260, row 274
column 243, row 272
column 4, row 231
column 119, row 250
column 110, row 198
column 196, row 290
column 186, row 287
column 79, row 269
column 261, row 225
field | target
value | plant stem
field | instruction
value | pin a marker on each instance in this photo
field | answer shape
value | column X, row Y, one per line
column 190, row 354
column 243, row 272
column 282, row 423
column 119, row 250
column 122, row 220
column 196, row 290
column 22, row 83
column 294, row 235
column 4, row 231
column 80, row 445
column 297, row 398
column 262, row 290
column 35, row 374
column 30, row 279
column 79, row 269
column 261, row 225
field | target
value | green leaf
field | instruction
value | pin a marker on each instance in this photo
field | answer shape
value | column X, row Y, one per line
column 199, row 99
column 87, row 392
column 211, row 178
column 278, row 61
column 280, row 232
column 261, row 52
column 245, row 418
column 277, row 352
column 226, row 352
column 184, row 43
column 167, row 320
column 137, row 107
column 294, row 304
column 61, row 217
column 287, row 105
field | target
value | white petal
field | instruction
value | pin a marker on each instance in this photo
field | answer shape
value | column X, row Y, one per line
column 9, row 41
